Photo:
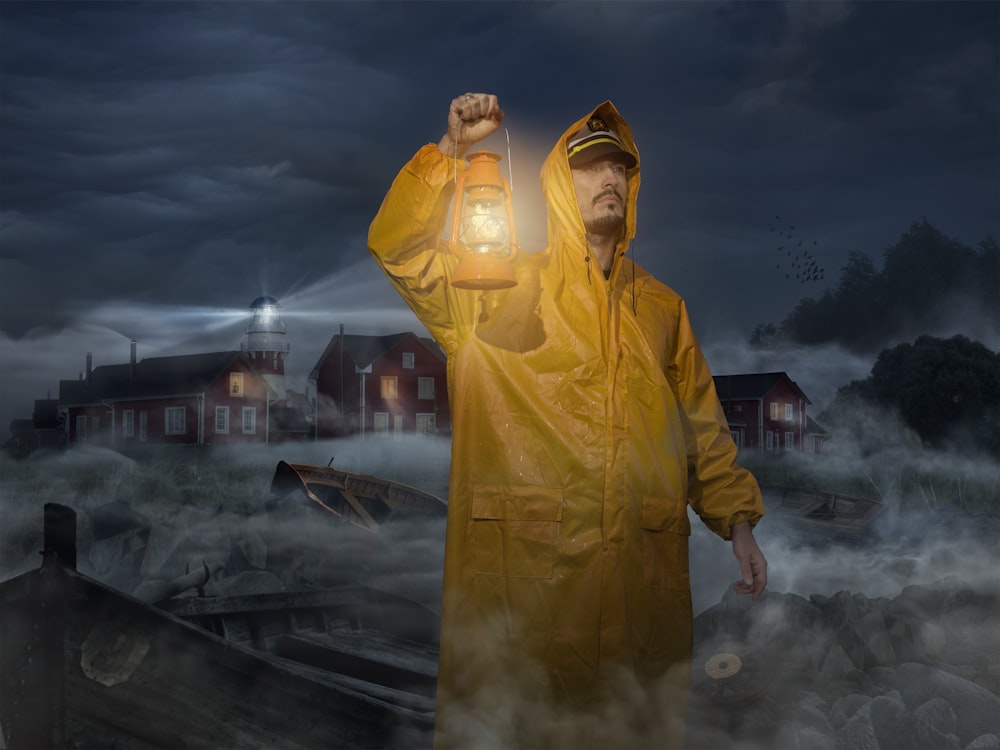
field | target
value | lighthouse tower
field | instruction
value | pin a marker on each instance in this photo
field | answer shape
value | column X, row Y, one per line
column 266, row 344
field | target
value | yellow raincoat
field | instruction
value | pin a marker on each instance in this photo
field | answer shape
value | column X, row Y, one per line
column 585, row 420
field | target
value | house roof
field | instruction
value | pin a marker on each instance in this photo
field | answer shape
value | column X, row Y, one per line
column 752, row 385
column 363, row 350
column 154, row 377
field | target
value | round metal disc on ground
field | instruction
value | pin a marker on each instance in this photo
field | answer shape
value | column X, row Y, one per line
column 732, row 674
column 721, row 666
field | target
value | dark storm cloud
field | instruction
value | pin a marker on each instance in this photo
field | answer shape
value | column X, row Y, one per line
column 196, row 155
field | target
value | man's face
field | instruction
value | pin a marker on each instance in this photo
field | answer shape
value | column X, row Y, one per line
column 601, row 192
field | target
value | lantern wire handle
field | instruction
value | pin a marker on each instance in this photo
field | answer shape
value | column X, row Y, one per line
column 510, row 164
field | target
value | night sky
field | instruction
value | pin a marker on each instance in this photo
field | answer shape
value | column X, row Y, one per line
column 162, row 164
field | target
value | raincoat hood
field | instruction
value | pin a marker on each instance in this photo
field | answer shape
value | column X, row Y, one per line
column 565, row 225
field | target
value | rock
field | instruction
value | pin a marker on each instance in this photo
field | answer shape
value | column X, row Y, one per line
column 984, row 742
column 892, row 723
column 936, row 713
column 810, row 739
column 878, row 646
column 844, row 708
column 977, row 711
column 857, row 733
column 115, row 518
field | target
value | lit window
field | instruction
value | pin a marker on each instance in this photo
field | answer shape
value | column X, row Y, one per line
column 249, row 420
column 425, row 388
column 381, row 422
column 236, row 384
column 425, row 424
column 774, row 410
column 390, row 386
column 222, row 419
column 173, row 420
column 128, row 423
column 407, row 360
column 789, row 413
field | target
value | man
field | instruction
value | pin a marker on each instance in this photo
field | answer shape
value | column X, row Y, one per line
column 585, row 421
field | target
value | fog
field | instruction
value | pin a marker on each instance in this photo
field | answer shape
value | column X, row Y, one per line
column 936, row 526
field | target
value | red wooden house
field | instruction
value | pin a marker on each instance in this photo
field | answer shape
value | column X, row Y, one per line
column 767, row 411
column 382, row 386
column 193, row 399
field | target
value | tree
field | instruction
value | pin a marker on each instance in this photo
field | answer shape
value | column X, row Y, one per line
column 946, row 390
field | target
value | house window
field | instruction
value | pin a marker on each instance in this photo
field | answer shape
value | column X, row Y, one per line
column 143, row 426
column 95, row 425
column 81, row 428
column 173, row 420
column 390, row 386
column 381, row 422
column 769, row 440
column 737, row 438
column 425, row 388
column 425, row 424
column 236, row 384
column 249, row 420
column 407, row 360
column 789, row 413
column 737, row 408
column 789, row 441
column 128, row 423
column 774, row 410
column 222, row 419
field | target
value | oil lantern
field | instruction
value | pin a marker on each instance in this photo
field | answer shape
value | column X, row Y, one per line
column 482, row 226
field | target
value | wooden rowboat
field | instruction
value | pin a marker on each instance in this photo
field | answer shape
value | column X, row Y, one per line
column 359, row 499
column 825, row 514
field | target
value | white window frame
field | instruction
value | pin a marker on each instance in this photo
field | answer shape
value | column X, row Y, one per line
column 397, row 424
column 249, row 420
column 380, row 423
column 236, row 384
column 389, row 387
column 174, row 420
column 789, row 441
column 409, row 361
column 737, row 436
column 426, row 423
column 128, row 423
column 222, row 420
column 774, row 410
column 425, row 388
column 769, row 440
column 789, row 413
column 143, row 426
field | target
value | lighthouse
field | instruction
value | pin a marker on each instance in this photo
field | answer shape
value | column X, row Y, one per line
column 266, row 344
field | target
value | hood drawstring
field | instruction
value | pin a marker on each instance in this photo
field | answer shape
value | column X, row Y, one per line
column 586, row 260
column 631, row 247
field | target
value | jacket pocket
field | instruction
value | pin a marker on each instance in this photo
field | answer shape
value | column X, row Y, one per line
column 515, row 530
column 665, row 529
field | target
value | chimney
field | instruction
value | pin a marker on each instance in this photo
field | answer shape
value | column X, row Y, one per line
column 131, row 360
column 90, row 365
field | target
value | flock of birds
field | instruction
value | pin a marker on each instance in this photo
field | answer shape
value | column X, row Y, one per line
column 798, row 261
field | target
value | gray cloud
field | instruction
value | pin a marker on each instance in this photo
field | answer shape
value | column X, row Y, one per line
column 199, row 154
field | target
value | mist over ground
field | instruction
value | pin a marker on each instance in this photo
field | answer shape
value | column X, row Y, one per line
column 940, row 524
column 930, row 529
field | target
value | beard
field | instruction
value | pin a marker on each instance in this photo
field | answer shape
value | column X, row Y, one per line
column 606, row 225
